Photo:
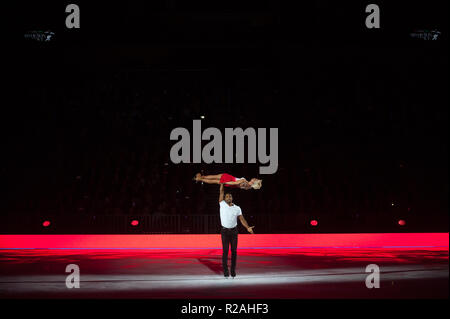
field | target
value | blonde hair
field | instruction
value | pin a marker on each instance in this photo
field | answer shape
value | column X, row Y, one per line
column 257, row 184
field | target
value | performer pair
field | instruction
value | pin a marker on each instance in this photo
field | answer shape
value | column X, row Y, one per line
column 229, row 213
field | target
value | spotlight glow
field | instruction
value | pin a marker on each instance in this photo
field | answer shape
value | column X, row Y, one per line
column 314, row 222
column 134, row 222
column 401, row 222
column 46, row 223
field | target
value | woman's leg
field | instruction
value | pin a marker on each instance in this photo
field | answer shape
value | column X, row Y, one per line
column 213, row 177
column 208, row 181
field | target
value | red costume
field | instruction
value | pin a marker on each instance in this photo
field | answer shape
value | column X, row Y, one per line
column 228, row 178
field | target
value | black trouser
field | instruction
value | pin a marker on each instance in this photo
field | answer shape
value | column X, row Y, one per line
column 229, row 237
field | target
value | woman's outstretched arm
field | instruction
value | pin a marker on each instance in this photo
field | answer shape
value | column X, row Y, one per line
column 238, row 182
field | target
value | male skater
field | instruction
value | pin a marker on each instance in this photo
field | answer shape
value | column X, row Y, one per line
column 228, row 218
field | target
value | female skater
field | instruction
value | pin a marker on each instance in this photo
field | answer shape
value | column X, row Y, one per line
column 229, row 181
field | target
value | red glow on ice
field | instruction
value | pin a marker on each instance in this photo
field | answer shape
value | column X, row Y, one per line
column 213, row 241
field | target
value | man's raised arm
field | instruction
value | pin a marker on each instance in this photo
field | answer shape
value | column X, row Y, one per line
column 221, row 193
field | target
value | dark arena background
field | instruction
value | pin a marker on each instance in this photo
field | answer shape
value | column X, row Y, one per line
column 94, row 207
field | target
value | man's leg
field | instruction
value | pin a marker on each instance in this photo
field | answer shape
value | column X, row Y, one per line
column 225, row 248
column 234, row 242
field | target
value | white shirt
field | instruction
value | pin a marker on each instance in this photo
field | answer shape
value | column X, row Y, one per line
column 229, row 214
